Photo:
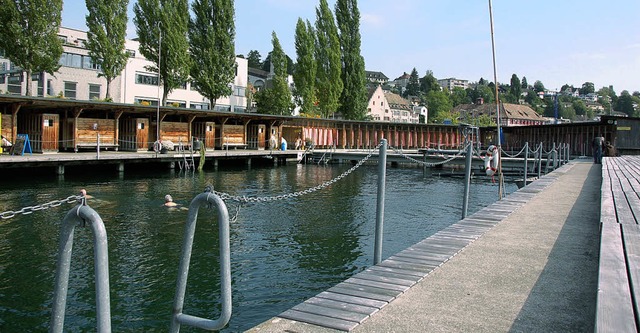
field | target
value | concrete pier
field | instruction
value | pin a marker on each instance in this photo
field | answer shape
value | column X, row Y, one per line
column 536, row 270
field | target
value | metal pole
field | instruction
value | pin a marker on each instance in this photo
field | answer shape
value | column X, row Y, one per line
column 539, row 159
column 159, row 102
column 526, row 162
column 208, row 198
column 495, row 80
column 555, row 156
column 467, row 178
column 382, row 171
column 97, row 145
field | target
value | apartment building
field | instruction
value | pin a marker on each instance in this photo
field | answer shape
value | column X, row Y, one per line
column 451, row 83
column 78, row 78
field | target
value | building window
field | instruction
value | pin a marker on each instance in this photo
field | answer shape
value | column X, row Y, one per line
column 199, row 106
column 49, row 87
column 94, row 91
column 70, row 89
column 131, row 53
column 176, row 104
column 2, row 79
column 149, row 79
column 146, row 101
column 14, row 84
column 41, row 86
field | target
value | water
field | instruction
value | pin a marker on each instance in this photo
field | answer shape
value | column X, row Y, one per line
column 281, row 252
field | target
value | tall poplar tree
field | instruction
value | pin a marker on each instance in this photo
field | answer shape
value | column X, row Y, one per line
column 277, row 98
column 164, row 22
column 328, row 56
column 107, row 22
column 304, row 75
column 353, row 100
column 413, row 86
column 211, row 45
column 29, row 35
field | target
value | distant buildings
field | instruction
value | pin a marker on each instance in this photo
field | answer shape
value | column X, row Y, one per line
column 510, row 114
column 78, row 78
column 390, row 107
column 451, row 83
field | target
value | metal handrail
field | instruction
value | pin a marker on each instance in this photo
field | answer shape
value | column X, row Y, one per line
column 207, row 198
column 82, row 215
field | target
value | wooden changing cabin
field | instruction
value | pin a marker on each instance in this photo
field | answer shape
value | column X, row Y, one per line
column 83, row 133
column 231, row 136
column 42, row 129
column 134, row 134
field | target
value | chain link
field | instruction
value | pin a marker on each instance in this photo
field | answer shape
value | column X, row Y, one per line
column 246, row 199
column 30, row 209
column 516, row 155
column 427, row 163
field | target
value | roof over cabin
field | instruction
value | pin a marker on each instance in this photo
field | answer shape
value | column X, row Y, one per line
column 507, row 110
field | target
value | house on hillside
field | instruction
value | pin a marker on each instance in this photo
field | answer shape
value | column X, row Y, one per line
column 378, row 107
column 451, row 83
column 376, row 77
column 510, row 114
column 401, row 110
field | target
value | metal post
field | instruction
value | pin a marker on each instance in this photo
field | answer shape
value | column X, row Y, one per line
column 382, row 171
column 467, row 178
column 555, row 156
column 206, row 198
column 539, row 159
column 80, row 215
column 97, row 145
column 526, row 163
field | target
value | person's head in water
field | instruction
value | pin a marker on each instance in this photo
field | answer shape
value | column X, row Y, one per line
column 168, row 200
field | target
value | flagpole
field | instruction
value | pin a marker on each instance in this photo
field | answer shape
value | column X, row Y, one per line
column 495, row 80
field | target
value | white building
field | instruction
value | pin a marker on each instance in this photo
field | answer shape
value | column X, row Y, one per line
column 78, row 78
column 451, row 83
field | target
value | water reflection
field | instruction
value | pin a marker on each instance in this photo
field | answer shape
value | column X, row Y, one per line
column 282, row 252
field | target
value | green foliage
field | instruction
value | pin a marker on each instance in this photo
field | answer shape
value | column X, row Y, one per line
column 625, row 103
column 254, row 59
column 211, row 46
column 439, row 105
column 277, row 99
column 353, row 98
column 328, row 55
column 525, row 84
column 166, row 23
column 515, row 89
column 266, row 65
column 587, row 88
column 538, row 86
column 481, row 91
column 429, row 83
column 107, row 22
column 29, row 35
column 579, row 107
column 413, row 86
column 304, row 75
column 459, row 96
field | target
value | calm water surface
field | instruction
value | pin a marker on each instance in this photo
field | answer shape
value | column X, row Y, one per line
column 281, row 252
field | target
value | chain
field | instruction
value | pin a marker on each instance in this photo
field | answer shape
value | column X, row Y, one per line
column 520, row 152
column 427, row 163
column 246, row 199
column 30, row 209
column 534, row 151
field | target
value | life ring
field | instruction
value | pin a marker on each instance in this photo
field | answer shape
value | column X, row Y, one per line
column 491, row 160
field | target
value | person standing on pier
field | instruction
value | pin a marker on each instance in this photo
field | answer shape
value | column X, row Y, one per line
column 597, row 144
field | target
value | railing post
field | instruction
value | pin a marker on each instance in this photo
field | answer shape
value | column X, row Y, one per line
column 467, row 178
column 539, row 159
column 98, row 146
column 526, row 162
column 80, row 215
column 382, row 171
column 206, row 198
column 555, row 156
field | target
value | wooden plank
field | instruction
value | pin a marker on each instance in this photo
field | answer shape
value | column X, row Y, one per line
column 378, row 284
column 417, row 261
column 352, row 299
column 634, row 204
column 398, row 279
column 329, row 303
column 631, row 238
column 331, row 312
column 407, row 266
column 396, row 270
column 338, row 324
column 614, row 309
column 366, row 292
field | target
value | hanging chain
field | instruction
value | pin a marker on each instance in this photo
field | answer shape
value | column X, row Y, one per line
column 516, row 155
column 246, row 199
column 30, row 209
column 427, row 163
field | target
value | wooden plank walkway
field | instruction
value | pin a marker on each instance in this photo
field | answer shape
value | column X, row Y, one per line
column 348, row 304
column 619, row 270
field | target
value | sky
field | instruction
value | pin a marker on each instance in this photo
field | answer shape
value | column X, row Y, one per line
column 554, row 41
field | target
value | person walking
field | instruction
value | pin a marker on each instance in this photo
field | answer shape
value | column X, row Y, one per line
column 597, row 144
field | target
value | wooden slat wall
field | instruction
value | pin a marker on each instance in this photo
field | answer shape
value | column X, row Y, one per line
column 175, row 132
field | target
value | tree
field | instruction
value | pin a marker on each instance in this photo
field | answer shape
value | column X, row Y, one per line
column 353, row 99
column 482, row 82
column 459, row 96
column 587, row 88
column 413, row 86
column 329, row 83
column 211, row 46
column 579, row 107
column 525, row 85
column 266, row 65
column 625, row 103
column 254, row 59
column 304, row 75
column 166, row 23
column 29, row 35
column 429, row 83
column 538, row 86
column 277, row 99
column 439, row 105
column 107, row 23
column 515, row 89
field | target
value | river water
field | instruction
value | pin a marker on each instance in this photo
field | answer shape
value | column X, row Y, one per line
column 282, row 252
